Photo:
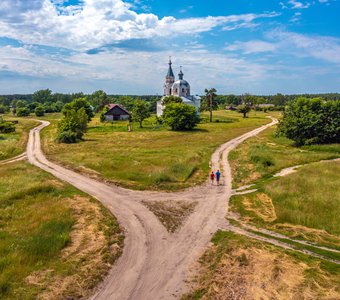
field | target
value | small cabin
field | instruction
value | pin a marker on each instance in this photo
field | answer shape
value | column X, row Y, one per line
column 116, row 112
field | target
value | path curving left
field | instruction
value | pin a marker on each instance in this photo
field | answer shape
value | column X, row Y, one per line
column 154, row 263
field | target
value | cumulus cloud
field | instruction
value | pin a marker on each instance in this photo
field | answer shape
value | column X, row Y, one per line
column 94, row 23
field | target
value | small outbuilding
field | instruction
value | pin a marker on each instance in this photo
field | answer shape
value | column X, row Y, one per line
column 116, row 112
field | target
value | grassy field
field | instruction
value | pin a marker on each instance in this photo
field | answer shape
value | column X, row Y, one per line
column 153, row 157
column 55, row 242
column 305, row 204
column 264, row 155
column 237, row 267
column 13, row 144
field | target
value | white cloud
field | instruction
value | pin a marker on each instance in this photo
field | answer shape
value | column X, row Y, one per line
column 254, row 46
column 299, row 5
column 320, row 47
column 99, row 22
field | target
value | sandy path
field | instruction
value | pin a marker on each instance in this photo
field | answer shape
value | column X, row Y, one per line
column 154, row 263
column 22, row 156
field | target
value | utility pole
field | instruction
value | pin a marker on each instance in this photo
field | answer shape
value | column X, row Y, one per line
column 211, row 106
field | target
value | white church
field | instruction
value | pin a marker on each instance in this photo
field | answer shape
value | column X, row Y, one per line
column 180, row 88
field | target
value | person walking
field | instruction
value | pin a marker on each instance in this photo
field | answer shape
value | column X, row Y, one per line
column 218, row 176
column 212, row 177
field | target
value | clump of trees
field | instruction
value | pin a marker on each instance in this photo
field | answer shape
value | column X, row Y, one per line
column 311, row 121
column 73, row 126
column 180, row 116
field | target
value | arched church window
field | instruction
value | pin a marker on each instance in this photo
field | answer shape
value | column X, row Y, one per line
column 183, row 90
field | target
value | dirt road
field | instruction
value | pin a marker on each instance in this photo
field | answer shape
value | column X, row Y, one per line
column 154, row 263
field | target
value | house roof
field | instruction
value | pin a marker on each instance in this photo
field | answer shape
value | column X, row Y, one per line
column 112, row 105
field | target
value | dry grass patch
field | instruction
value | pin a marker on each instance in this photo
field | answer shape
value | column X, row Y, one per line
column 262, row 206
column 172, row 214
column 89, row 250
column 236, row 267
column 318, row 236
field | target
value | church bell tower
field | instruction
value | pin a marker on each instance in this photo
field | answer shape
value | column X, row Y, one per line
column 169, row 80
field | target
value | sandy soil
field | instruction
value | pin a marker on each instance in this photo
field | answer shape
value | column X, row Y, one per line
column 154, row 263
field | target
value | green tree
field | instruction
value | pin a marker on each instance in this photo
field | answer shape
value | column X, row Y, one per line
column 140, row 111
column 20, row 104
column 4, row 109
column 278, row 100
column 180, row 116
column 77, row 104
column 39, row 111
column 73, row 126
column 23, row 112
column 210, row 94
column 42, row 96
column 311, row 121
column 171, row 99
column 99, row 99
column 244, row 109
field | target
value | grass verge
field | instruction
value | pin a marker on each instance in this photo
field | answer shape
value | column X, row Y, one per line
column 13, row 144
column 55, row 242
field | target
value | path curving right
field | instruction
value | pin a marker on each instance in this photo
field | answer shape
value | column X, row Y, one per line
column 154, row 263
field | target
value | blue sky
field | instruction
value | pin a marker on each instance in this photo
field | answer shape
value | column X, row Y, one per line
column 122, row 47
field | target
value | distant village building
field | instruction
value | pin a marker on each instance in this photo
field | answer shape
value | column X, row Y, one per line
column 180, row 88
column 116, row 112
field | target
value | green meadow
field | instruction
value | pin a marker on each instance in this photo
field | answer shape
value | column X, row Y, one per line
column 304, row 204
column 153, row 157
column 266, row 154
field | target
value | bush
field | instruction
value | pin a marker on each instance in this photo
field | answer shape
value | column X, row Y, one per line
column 23, row 112
column 7, row 127
column 67, row 137
column 4, row 109
column 180, row 116
column 311, row 121
column 39, row 111
column 73, row 126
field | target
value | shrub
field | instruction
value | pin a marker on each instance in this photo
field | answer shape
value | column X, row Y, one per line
column 73, row 126
column 7, row 127
column 180, row 116
column 39, row 111
column 67, row 137
column 23, row 112
column 4, row 109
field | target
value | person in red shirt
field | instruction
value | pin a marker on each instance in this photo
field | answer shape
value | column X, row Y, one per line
column 212, row 177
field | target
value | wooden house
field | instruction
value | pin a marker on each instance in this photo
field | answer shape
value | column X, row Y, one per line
column 116, row 112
